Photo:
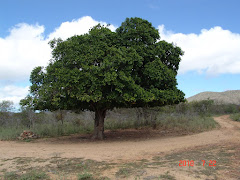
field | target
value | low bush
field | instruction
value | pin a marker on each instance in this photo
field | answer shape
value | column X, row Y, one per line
column 10, row 133
column 59, row 129
column 85, row 176
column 235, row 117
column 185, row 123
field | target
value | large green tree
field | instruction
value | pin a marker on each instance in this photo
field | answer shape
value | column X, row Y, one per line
column 102, row 69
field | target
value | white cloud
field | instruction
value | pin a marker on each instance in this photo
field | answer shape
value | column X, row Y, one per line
column 13, row 93
column 214, row 51
column 76, row 27
column 21, row 51
column 26, row 47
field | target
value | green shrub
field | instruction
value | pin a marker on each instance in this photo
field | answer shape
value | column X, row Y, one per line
column 219, row 109
column 185, row 123
column 59, row 129
column 10, row 133
column 85, row 176
column 235, row 117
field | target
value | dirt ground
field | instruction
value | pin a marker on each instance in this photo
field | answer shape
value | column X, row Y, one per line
column 131, row 154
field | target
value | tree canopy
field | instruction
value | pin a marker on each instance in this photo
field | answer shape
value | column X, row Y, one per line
column 100, row 70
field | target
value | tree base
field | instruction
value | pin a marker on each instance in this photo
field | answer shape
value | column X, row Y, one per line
column 98, row 133
column 98, row 136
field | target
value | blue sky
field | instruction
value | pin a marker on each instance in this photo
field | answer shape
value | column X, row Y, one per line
column 207, row 30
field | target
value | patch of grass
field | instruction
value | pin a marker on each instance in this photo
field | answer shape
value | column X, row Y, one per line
column 31, row 175
column 132, row 168
column 28, row 140
column 55, row 130
column 185, row 123
column 207, row 171
column 10, row 133
column 113, row 124
column 4, row 160
column 85, row 176
column 124, row 172
column 34, row 175
column 22, row 160
column 58, row 165
column 104, row 178
column 77, row 165
column 10, row 176
column 39, row 160
column 4, row 170
column 221, row 157
column 137, row 165
column 235, row 117
column 167, row 176
column 45, row 130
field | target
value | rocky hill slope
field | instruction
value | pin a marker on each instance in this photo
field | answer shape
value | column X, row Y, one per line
column 226, row 97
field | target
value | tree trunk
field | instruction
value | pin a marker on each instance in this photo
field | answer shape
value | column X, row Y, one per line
column 99, row 124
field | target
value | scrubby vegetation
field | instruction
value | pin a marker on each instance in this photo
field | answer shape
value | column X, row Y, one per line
column 185, row 117
column 27, row 176
column 235, row 117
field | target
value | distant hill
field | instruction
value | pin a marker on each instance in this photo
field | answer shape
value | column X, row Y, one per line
column 226, row 97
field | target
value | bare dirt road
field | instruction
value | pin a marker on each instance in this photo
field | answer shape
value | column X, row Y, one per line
column 125, row 150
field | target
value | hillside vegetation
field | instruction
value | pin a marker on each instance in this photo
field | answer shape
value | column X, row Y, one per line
column 226, row 97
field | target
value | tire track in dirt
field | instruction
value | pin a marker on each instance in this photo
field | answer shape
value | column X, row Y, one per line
column 122, row 150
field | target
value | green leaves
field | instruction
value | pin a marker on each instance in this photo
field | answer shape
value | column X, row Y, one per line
column 105, row 69
column 135, row 31
column 170, row 55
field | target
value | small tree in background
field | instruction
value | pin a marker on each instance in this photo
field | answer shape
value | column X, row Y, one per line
column 27, row 107
column 6, row 108
column 102, row 69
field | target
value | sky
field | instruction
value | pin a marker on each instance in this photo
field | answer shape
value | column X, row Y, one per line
column 208, row 31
